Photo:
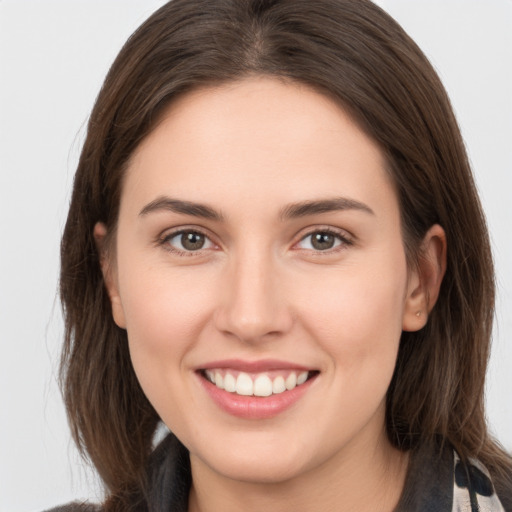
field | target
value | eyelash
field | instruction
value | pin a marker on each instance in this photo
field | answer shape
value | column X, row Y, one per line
column 341, row 236
column 164, row 241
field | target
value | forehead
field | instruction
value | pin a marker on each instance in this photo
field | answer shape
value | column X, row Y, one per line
column 257, row 139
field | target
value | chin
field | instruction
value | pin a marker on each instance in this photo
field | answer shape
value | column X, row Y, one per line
column 258, row 471
column 259, row 465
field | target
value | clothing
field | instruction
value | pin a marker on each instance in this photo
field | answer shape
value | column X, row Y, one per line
column 442, row 483
column 434, row 483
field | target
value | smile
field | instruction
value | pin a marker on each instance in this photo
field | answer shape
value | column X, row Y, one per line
column 256, row 384
column 255, row 390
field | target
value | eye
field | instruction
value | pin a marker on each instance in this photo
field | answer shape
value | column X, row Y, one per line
column 323, row 240
column 188, row 241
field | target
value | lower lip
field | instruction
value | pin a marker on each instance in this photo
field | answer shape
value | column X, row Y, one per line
column 254, row 407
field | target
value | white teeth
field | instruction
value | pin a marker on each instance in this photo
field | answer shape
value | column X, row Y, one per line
column 262, row 385
column 291, row 381
column 278, row 385
column 303, row 377
column 229, row 383
column 244, row 385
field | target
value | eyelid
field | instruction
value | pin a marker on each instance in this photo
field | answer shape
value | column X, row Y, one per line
column 346, row 238
column 165, row 236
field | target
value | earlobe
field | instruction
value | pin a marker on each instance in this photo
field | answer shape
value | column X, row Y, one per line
column 425, row 280
column 109, row 274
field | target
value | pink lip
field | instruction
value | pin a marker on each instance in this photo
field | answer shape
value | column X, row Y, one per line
column 254, row 366
column 253, row 407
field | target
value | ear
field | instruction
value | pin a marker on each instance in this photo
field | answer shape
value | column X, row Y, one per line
column 109, row 274
column 425, row 280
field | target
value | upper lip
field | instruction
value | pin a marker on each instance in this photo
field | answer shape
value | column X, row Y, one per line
column 254, row 366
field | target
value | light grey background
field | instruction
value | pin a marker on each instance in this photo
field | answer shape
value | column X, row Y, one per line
column 53, row 57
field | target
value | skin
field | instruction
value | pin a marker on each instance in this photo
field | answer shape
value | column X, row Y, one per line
column 259, row 289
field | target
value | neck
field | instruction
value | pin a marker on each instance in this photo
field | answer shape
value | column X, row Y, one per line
column 362, row 479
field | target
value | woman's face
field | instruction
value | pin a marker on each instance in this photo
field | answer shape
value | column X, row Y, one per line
column 258, row 245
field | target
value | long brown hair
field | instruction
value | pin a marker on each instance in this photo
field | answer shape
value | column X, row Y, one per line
column 358, row 55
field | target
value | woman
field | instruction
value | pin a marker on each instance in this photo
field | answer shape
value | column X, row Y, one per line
column 275, row 247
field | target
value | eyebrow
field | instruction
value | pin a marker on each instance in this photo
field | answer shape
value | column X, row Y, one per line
column 291, row 211
column 180, row 206
column 306, row 208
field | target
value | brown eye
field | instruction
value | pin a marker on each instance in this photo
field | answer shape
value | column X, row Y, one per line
column 192, row 241
column 322, row 241
column 188, row 241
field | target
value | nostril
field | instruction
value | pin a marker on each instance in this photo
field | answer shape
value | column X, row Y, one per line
column 254, row 326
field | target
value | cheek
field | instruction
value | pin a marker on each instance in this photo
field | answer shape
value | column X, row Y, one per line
column 157, row 314
column 165, row 314
column 358, row 316
column 162, row 305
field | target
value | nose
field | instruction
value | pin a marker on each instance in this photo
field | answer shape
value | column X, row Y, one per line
column 254, row 306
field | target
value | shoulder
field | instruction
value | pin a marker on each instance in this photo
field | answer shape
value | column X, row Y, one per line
column 77, row 507
column 475, row 489
column 503, row 487
column 438, row 479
